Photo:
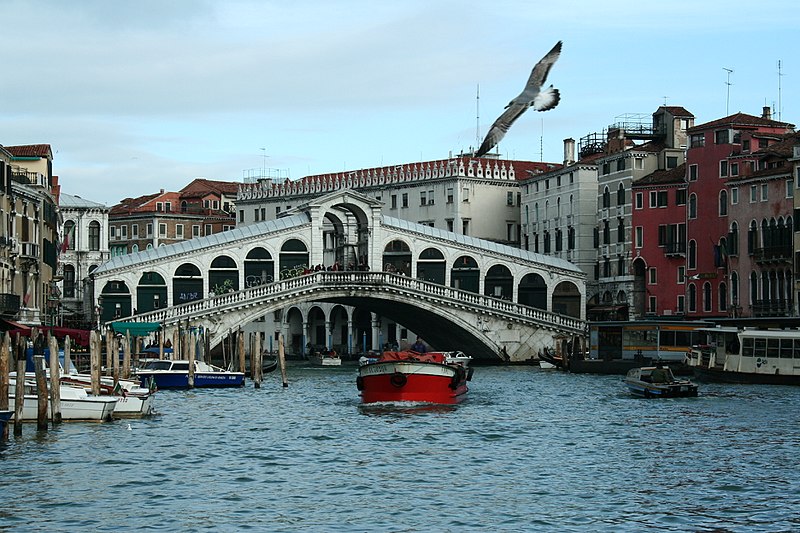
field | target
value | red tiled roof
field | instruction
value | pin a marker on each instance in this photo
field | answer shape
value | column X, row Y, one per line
column 30, row 150
column 742, row 119
column 675, row 175
column 678, row 111
column 201, row 187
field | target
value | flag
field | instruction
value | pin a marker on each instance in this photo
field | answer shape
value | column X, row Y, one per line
column 65, row 243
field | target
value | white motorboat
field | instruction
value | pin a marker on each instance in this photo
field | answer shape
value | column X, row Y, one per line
column 76, row 404
column 132, row 400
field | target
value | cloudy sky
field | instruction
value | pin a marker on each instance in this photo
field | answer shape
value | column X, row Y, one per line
column 136, row 96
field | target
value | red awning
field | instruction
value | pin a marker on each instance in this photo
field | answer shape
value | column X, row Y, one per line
column 7, row 325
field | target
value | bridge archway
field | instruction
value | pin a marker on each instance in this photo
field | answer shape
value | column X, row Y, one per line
column 223, row 275
column 499, row 282
column 259, row 268
column 187, row 284
column 567, row 299
column 532, row 291
column 397, row 257
column 293, row 256
column 431, row 266
column 115, row 301
column 466, row 274
column 151, row 292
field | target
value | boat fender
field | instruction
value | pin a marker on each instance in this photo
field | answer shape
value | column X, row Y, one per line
column 398, row 379
column 469, row 373
column 647, row 393
column 360, row 383
column 458, row 377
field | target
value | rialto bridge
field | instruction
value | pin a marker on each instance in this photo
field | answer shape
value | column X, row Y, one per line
column 337, row 273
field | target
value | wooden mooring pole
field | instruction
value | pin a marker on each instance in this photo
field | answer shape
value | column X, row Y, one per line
column 55, row 381
column 5, row 362
column 95, row 360
column 255, row 364
column 191, row 343
column 240, row 351
column 282, row 361
column 41, row 392
column 19, row 392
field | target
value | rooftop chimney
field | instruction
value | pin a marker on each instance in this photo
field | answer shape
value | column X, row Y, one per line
column 766, row 113
column 569, row 151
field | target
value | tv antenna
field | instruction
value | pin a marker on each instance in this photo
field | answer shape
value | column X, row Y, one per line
column 478, row 115
column 780, row 75
column 263, row 162
column 728, row 83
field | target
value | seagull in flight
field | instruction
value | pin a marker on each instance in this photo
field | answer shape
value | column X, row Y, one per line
column 531, row 96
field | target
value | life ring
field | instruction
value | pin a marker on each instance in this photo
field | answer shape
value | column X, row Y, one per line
column 360, row 383
column 398, row 379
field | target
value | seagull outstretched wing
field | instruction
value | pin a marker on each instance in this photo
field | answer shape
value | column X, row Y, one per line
column 531, row 96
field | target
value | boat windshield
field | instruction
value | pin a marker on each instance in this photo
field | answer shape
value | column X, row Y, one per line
column 158, row 365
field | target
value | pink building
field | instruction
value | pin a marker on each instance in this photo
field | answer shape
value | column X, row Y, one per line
column 720, row 151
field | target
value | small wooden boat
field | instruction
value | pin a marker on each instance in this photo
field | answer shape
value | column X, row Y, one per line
column 658, row 382
column 433, row 377
column 325, row 359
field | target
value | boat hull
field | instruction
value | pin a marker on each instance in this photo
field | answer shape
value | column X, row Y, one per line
column 5, row 416
column 94, row 408
column 165, row 379
column 755, row 378
column 682, row 389
column 405, row 381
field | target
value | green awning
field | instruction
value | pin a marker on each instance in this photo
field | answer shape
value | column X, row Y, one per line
column 136, row 329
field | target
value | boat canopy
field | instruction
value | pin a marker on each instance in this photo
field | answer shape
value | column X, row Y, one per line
column 136, row 329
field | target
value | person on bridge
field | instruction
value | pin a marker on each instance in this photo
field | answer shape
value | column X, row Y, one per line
column 419, row 346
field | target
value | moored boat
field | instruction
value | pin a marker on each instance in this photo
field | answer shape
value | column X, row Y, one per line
column 5, row 416
column 76, row 404
column 658, row 382
column 175, row 375
column 325, row 359
column 132, row 400
column 757, row 356
column 433, row 377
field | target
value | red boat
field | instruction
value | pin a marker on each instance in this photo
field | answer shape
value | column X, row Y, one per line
column 433, row 377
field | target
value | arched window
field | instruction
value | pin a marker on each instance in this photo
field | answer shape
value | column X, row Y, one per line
column 621, row 194
column 752, row 238
column 621, row 231
column 94, row 236
column 723, row 297
column 558, row 206
column 692, row 259
column 734, row 288
column 571, row 205
column 733, row 239
column 723, row 203
column 68, row 242
column 692, row 294
column 693, row 205
column 536, row 212
column 606, row 198
column 706, row 296
column 753, row 288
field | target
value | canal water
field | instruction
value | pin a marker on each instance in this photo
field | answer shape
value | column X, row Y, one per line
column 530, row 450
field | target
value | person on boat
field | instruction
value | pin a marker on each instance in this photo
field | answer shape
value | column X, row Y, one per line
column 419, row 346
column 659, row 374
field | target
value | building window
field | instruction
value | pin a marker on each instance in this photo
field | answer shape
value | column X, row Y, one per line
column 547, row 242
column 723, row 168
column 639, row 200
column 653, row 198
column 159, row 206
column 697, row 140
column 753, row 194
column 123, row 232
column 692, row 172
column 134, row 231
column 723, row 203
column 681, row 275
column 681, row 307
column 693, row 206
column 692, row 259
column 465, row 194
column 621, row 231
column 150, row 229
column 734, row 195
column 449, row 224
column 255, row 215
column 94, row 236
column 621, row 266
column 639, row 236
column 672, row 161
column 789, row 188
column 207, row 229
column 692, row 290
column 509, row 198
column 465, row 227
column 662, row 199
column 168, row 206
column 734, row 169
column 621, row 193
column 764, row 192
column 112, row 232
column 706, row 297
column 638, row 163
column 195, row 230
column 449, row 195
column 652, row 278
column 723, row 297
column 162, row 230
column 404, row 200
column 721, row 137
column 559, row 240
column 179, row 231
column 423, row 198
column 571, row 238
column 680, row 197
column 606, row 198
column 651, row 306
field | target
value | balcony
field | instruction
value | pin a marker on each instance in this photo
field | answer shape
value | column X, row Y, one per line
column 773, row 254
column 675, row 249
column 9, row 304
column 29, row 250
column 776, row 307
